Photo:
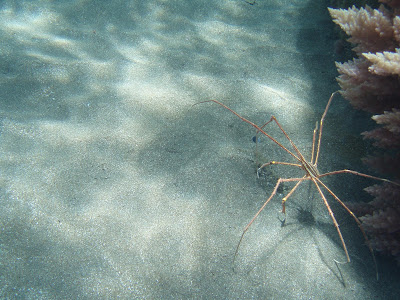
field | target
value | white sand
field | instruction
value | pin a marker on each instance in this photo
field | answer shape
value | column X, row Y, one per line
column 113, row 185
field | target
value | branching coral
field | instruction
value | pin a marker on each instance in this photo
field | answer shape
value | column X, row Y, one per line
column 385, row 63
column 369, row 29
column 371, row 82
column 382, row 219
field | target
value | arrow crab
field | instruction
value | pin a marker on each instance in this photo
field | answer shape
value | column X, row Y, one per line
column 311, row 174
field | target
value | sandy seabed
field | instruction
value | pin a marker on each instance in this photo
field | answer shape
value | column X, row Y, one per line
column 112, row 184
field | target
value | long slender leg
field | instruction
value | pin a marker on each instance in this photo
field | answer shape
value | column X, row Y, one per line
column 258, row 128
column 280, row 180
column 292, row 190
column 358, row 174
column 333, row 218
column 357, row 221
column 321, row 122
column 301, row 157
column 314, row 134
column 257, row 140
column 265, row 124
column 313, row 143
column 284, row 199
column 277, row 163
column 286, row 135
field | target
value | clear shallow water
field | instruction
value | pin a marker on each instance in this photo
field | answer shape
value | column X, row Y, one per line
column 112, row 184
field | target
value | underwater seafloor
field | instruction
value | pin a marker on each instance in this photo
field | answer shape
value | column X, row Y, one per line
column 112, row 184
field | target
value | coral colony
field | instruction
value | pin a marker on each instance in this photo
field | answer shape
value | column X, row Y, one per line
column 371, row 82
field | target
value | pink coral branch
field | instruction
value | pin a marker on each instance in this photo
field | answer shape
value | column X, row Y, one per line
column 371, row 82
